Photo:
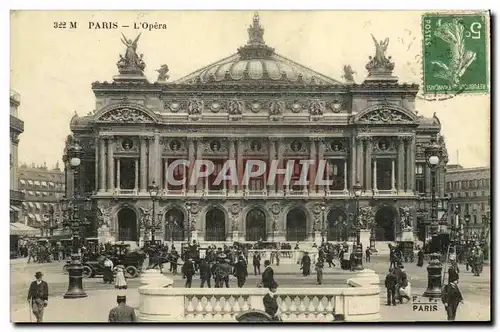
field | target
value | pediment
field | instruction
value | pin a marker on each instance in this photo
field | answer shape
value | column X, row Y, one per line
column 386, row 114
column 125, row 114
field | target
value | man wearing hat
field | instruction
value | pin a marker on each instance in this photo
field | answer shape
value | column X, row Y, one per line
column 451, row 297
column 122, row 313
column 270, row 302
column 188, row 272
column 38, row 295
column 267, row 275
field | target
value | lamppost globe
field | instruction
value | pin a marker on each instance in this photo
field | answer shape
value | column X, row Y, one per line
column 75, row 162
column 188, row 207
column 323, row 208
column 433, row 160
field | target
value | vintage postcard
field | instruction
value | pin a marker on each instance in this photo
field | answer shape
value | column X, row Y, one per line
column 250, row 166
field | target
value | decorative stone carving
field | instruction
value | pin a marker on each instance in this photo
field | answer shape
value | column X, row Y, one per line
column 406, row 220
column 174, row 145
column 215, row 106
column 127, row 145
column 338, row 106
column 383, row 145
column 380, row 62
column 235, row 107
column 277, row 107
column 162, row 73
column 195, row 107
column 384, row 115
column 235, row 209
column 215, row 146
column 174, row 106
column 126, row 115
column 104, row 217
column 255, row 146
column 337, row 146
column 276, row 208
column 195, row 208
column 317, row 208
column 317, row 107
column 296, row 146
column 366, row 217
column 348, row 74
column 132, row 63
column 296, row 106
column 254, row 106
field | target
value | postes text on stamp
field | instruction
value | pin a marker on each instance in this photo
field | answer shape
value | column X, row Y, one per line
column 455, row 53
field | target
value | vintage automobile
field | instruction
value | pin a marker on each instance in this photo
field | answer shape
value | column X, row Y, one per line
column 120, row 255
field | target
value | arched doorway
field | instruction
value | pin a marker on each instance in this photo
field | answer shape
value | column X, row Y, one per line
column 296, row 225
column 127, row 225
column 174, row 225
column 215, row 225
column 255, row 225
column 337, row 225
column 385, row 219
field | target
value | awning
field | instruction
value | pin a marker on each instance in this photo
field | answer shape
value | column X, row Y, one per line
column 51, row 184
column 25, row 204
column 30, row 182
column 46, row 205
column 31, row 193
column 45, row 193
column 31, row 205
column 16, row 228
column 38, row 206
column 15, row 208
column 38, row 217
column 44, row 183
column 31, row 216
column 38, row 193
column 37, row 183
column 22, row 181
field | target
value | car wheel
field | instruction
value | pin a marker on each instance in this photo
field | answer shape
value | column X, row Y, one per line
column 131, row 271
column 87, row 271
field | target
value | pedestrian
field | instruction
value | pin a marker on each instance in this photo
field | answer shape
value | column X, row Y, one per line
column 38, row 295
column 240, row 271
column 270, row 301
column 107, row 275
column 122, row 313
column 305, row 265
column 390, row 285
column 402, row 280
column 205, row 273
column 267, row 275
column 188, row 272
column 256, row 263
column 174, row 261
column 453, row 271
column 319, row 271
column 120, row 281
column 367, row 254
column 352, row 261
column 420, row 260
column 451, row 297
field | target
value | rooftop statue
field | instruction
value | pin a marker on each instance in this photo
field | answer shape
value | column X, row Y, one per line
column 348, row 73
column 162, row 73
column 132, row 62
column 380, row 61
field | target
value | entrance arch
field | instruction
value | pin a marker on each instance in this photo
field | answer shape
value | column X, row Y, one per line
column 296, row 225
column 255, row 225
column 127, row 225
column 337, row 225
column 174, row 225
column 215, row 225
column 385, row 219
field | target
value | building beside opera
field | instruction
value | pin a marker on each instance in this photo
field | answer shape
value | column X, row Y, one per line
column 43, row 188
column 16, row 129
column 259, row 105
column 469, row 193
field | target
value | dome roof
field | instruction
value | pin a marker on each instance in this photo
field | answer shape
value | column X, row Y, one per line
column 256, row 62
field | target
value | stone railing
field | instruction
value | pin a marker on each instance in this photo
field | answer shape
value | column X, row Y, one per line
column 160, row 302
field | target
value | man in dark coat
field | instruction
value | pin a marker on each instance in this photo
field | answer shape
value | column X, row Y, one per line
column 453, row 271
column 451, row 297
column 188, row 272
column 267, row 275
column 420, row 260
column 205, row 273
column 390, row 284
column 38, row 295
column 122, row 313
column 319, row 270
column 174, row 258
column 240, row 271
column 367, row 254
column 306, row 264
column 270, row 301
column 256, row 263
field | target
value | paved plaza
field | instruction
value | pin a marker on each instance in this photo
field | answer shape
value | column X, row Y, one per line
column 101, row 298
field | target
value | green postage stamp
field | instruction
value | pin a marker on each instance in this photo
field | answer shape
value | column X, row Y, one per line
column 455, row 52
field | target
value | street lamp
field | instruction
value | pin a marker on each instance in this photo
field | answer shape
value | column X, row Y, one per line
column 433, row 154
column 188, row 208
column 72, row 159
column 153, row 192
column 323, row 208
column 357, row 190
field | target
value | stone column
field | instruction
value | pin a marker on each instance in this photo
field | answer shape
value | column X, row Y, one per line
column 321, row 157
column 191, row 154
column 118, row 173
column 199, row 156
column 232, row 156
column 312, row 168
column 111, row 164
column 409, row 168
column 375, row 175
column 152, row 160
column 346, row 190
column 368, row 163
column 142, row 164
column 359, row 160
column 281, row 151
column 393, row 175
column 239, row 163
column 96, row 163
column 412, row 162
column 401, row 163
column 157, row 160
column 136, row 179
column 102, row 165
column 353, row 159
column 165, row 175
column 272, row 156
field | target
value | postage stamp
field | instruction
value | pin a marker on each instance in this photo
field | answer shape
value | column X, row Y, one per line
column 455, row 52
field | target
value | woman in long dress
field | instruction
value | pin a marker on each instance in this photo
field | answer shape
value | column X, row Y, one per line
column 120, row 281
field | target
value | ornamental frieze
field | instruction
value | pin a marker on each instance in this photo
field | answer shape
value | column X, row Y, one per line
column 337, row 146
column 127, row 144
column 384, row 115
column 384, row 145
column 173, row 106
column 235, row 107
column 317, row 107
column 277, row 107
column 216, row 106
column 255, row 106
column 126, row 115
column 195, row 106
column 173, row 145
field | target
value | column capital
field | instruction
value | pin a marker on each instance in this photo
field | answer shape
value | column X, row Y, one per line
column 365, row 138
column 405, row 137
column 107, row 137
column 232, row 139
column 197, row 139
column 315, row 139
column 274, row 139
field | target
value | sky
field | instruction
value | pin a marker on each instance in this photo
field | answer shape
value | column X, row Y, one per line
column 53, row 68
